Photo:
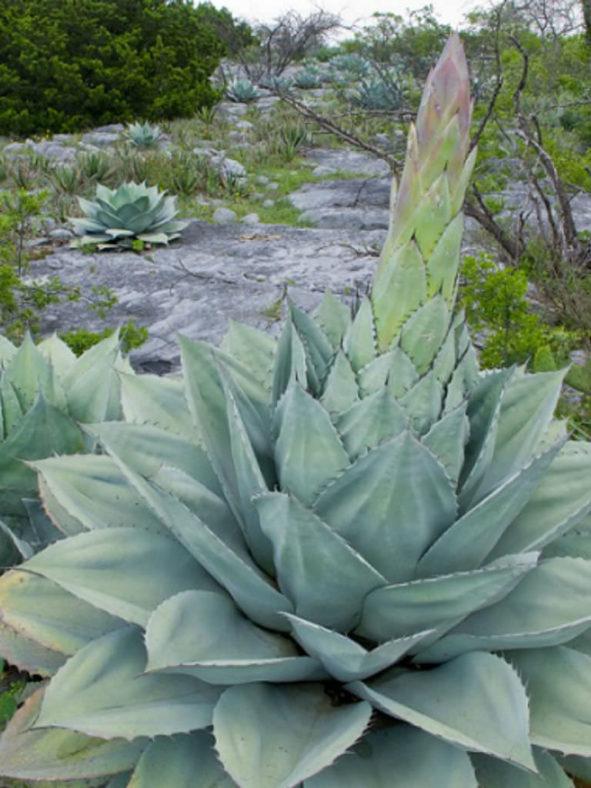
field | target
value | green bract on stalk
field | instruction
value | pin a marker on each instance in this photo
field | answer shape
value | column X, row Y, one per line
column 344, row 558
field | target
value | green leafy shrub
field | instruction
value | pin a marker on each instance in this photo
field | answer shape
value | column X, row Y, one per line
column 81, row 339
column 72, row 64
column 242, row 91
column 121, row 217
column 349, row 540
column 496, row 305
column 45, row 391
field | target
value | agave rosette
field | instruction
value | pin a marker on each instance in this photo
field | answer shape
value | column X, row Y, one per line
column 133, row 211
column 45, row 391
column 345, row 558
column 144, row 135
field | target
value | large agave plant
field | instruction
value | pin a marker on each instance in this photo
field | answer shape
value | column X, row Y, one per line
column 350, row 559
column 134, row 211
column 45, row 391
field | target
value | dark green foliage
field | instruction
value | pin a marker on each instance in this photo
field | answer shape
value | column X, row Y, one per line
column 497, row 309
column 81, row 339
column 71, row 64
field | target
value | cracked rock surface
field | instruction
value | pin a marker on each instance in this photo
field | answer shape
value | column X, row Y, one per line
column 213, row 274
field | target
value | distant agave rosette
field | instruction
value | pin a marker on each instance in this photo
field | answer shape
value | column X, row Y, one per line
column 134, row 211
column 343, row 559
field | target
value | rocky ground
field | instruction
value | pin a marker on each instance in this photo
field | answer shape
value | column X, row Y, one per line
column 229, row 269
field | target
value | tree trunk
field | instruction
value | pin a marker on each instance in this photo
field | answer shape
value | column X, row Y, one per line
column 587, row 18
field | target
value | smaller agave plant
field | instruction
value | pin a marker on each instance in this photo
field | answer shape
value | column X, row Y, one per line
column 133, row 212
column 347, row 66
column 45, row 393
column 242, row 91
column 378, row 94
column 143, row 135
column 307, row 80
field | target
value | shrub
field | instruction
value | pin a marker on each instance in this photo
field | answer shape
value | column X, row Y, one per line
column 346, row 541
column 71, row 64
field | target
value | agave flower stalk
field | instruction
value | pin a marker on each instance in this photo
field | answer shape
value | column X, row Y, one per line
column 346, row 558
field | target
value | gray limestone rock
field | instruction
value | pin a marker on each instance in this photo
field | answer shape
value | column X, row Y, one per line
column 350, row 162
column 251, row 218
column 214, row 273
column 102, row 138
column 224, row 216
column 362, row 204
column 228, row 167
column 61, row 234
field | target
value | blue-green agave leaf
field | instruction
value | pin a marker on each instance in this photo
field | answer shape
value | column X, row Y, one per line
column 27, row 654
column 253, row 348
column 317, row 569
column 237, row 573
column 101, row 691
column 249, row 483
column 319, row 352
column 275, row 737
column 472, row 537
column 390, row 505
column 370, row 422
column 92, row 385
column 422, row 403
column 422, row 335
column 404, row 274
column 149, row 399
column 446, row 440
column 29, row 372
column 290, row 362
column 398, row 757
column 179, row 761
column 559, row 685
column 146, row 448
column 334, row 318
column 359, row 343
column 203, row 634
column 341, row 390
column 439, row 602
column 96, row 567
column 550, row 606
column 306, row 458
column 345, row 659
column 92, row 490
column 41, row 610
column 484, row 407
column 527, row 408
column 559, row 503
column 493, row 773
column 475, row 701
column 53, row 754
column 393, row 369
